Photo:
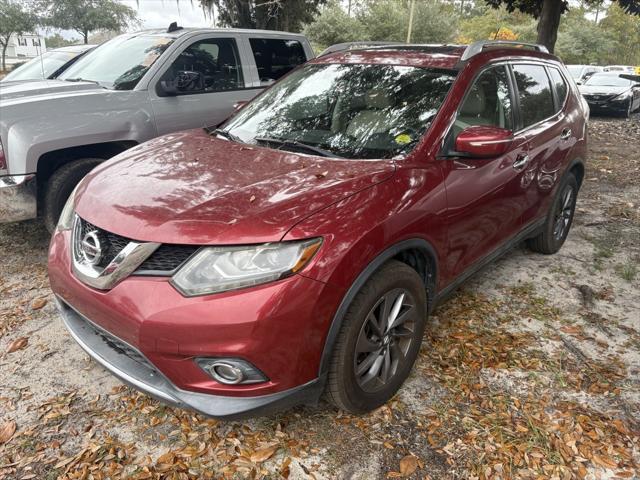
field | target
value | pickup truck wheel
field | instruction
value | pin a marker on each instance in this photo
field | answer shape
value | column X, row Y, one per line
column 379, row 339
column 60, row 185
column 559, row 219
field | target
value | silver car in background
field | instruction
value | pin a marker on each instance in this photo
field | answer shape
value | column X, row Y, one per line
column 46, row 66
column 126, row 91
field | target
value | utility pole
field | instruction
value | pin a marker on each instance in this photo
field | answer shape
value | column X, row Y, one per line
column 411, row 9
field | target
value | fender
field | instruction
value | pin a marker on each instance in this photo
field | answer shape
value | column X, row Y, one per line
column 361, row 279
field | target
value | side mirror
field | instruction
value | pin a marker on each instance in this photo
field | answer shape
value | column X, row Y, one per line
column 483, row 141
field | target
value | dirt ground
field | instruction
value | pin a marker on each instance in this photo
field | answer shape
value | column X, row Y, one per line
column 531, row 370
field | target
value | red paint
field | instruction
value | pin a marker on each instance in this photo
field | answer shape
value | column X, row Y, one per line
column 191, row 188
column 484, row 142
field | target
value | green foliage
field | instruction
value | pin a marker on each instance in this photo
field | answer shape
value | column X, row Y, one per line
column 332, row 26
column 288, row 15
column 86, row 16
column 15, row 19
column 582, row 41
column 57, row 41
column 624, row 31
column 385, row 20
column 488, row 21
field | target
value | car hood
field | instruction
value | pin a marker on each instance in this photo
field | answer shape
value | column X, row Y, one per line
column 40, row 89
column 602, row 90
column 194, row 188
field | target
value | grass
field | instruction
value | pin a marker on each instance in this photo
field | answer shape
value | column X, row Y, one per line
column 627, row 271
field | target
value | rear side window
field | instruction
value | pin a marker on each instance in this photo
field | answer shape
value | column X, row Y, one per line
column 560, row 86
column 276, row 57
column 534, row 93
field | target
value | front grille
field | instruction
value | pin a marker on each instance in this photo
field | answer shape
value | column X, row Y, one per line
column 164, row 261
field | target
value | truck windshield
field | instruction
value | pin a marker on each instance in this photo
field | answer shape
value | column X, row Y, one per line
column 119, row 64
column 349, row 111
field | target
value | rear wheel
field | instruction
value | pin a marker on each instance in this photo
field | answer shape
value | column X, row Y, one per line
column 379, row 340
column 559, row 219
column 59, row 187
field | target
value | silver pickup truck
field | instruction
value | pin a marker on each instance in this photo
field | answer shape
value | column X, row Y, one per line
column 126, row 91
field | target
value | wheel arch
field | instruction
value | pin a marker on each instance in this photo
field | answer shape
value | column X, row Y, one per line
column 576, row 167
column 418, row 253
column 51, row 161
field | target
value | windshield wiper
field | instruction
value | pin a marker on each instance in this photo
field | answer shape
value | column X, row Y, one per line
column 223, row 133
column 294, row 144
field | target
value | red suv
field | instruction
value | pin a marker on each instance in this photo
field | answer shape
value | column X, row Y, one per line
column 298, row 249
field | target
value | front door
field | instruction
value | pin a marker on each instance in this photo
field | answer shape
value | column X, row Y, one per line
column 484, row 196
column 222, row 84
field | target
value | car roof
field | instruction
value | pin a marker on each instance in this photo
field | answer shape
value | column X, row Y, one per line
column 444, row 56
column 73, row 48
column 187, row 30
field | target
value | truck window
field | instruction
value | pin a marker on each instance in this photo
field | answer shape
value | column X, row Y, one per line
column 276, row 57
column 215, row 59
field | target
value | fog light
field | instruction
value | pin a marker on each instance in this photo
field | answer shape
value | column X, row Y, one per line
column 231, row 371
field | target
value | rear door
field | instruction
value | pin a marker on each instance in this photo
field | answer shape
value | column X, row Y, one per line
column 218, row 60
column 544, row 122
column 273, row 56
column 484, row 195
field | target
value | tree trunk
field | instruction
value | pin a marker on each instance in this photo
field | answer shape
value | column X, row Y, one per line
column 549, row 22
column 85, row 34
column 5, row 45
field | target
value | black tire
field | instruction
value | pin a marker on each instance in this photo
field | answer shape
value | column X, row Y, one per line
column 552, row 238
column 355, row 393
column 59, row 187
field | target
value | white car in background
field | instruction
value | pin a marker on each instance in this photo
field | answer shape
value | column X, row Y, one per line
column 620, row 68
column 581, row 73
column 46, row 66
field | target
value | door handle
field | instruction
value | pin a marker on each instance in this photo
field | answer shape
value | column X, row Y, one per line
column 566, row 134
column 521, row 161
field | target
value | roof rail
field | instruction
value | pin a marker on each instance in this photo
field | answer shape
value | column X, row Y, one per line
column 340, row 47
column 477, row 47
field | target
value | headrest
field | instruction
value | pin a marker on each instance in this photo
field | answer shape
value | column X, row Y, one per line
column 377, row 99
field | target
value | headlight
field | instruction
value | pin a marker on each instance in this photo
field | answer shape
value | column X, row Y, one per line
column 218, row 269
column 65, row 222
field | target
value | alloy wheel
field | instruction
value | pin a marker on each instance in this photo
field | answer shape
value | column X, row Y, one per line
column 563, row 213
column 384, row 340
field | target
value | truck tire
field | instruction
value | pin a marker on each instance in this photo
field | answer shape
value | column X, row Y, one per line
column 59, row 187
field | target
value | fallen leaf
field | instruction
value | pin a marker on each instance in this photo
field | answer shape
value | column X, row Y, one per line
column 408, row 465
column 252, row 199
column 6, row 431
column 263, row 454
column 18, row 344
column 38, row 303
column 322, row 175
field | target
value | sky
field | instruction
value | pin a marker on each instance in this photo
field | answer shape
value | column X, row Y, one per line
column 160, row 13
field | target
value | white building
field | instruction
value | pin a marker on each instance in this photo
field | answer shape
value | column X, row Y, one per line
column 25, row 47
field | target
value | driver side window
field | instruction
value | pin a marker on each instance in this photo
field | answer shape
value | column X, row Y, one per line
column 488, row 102
column 211, row 65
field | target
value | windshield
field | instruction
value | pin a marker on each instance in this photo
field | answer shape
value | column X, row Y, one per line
column 350, row 111
column 120, row 63
column 575, row 70
column 47, row 63
column 608, row 80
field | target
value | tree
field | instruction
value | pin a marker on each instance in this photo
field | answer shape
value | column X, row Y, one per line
column 57, row 41
column 624, row 32
column 288, row 15
column 549, row 13
column 582, row 41
column 15, row 19
column 86, row 16
column 332, row 26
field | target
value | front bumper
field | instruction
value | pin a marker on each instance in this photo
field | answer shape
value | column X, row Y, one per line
column 131, row 366
column 18, row 199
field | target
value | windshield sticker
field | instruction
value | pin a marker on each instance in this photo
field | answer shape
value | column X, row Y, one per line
column 403, row 139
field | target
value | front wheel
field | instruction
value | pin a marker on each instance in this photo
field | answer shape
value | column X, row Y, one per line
column 59, row 187
column 559, row 219
column 379, row 340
